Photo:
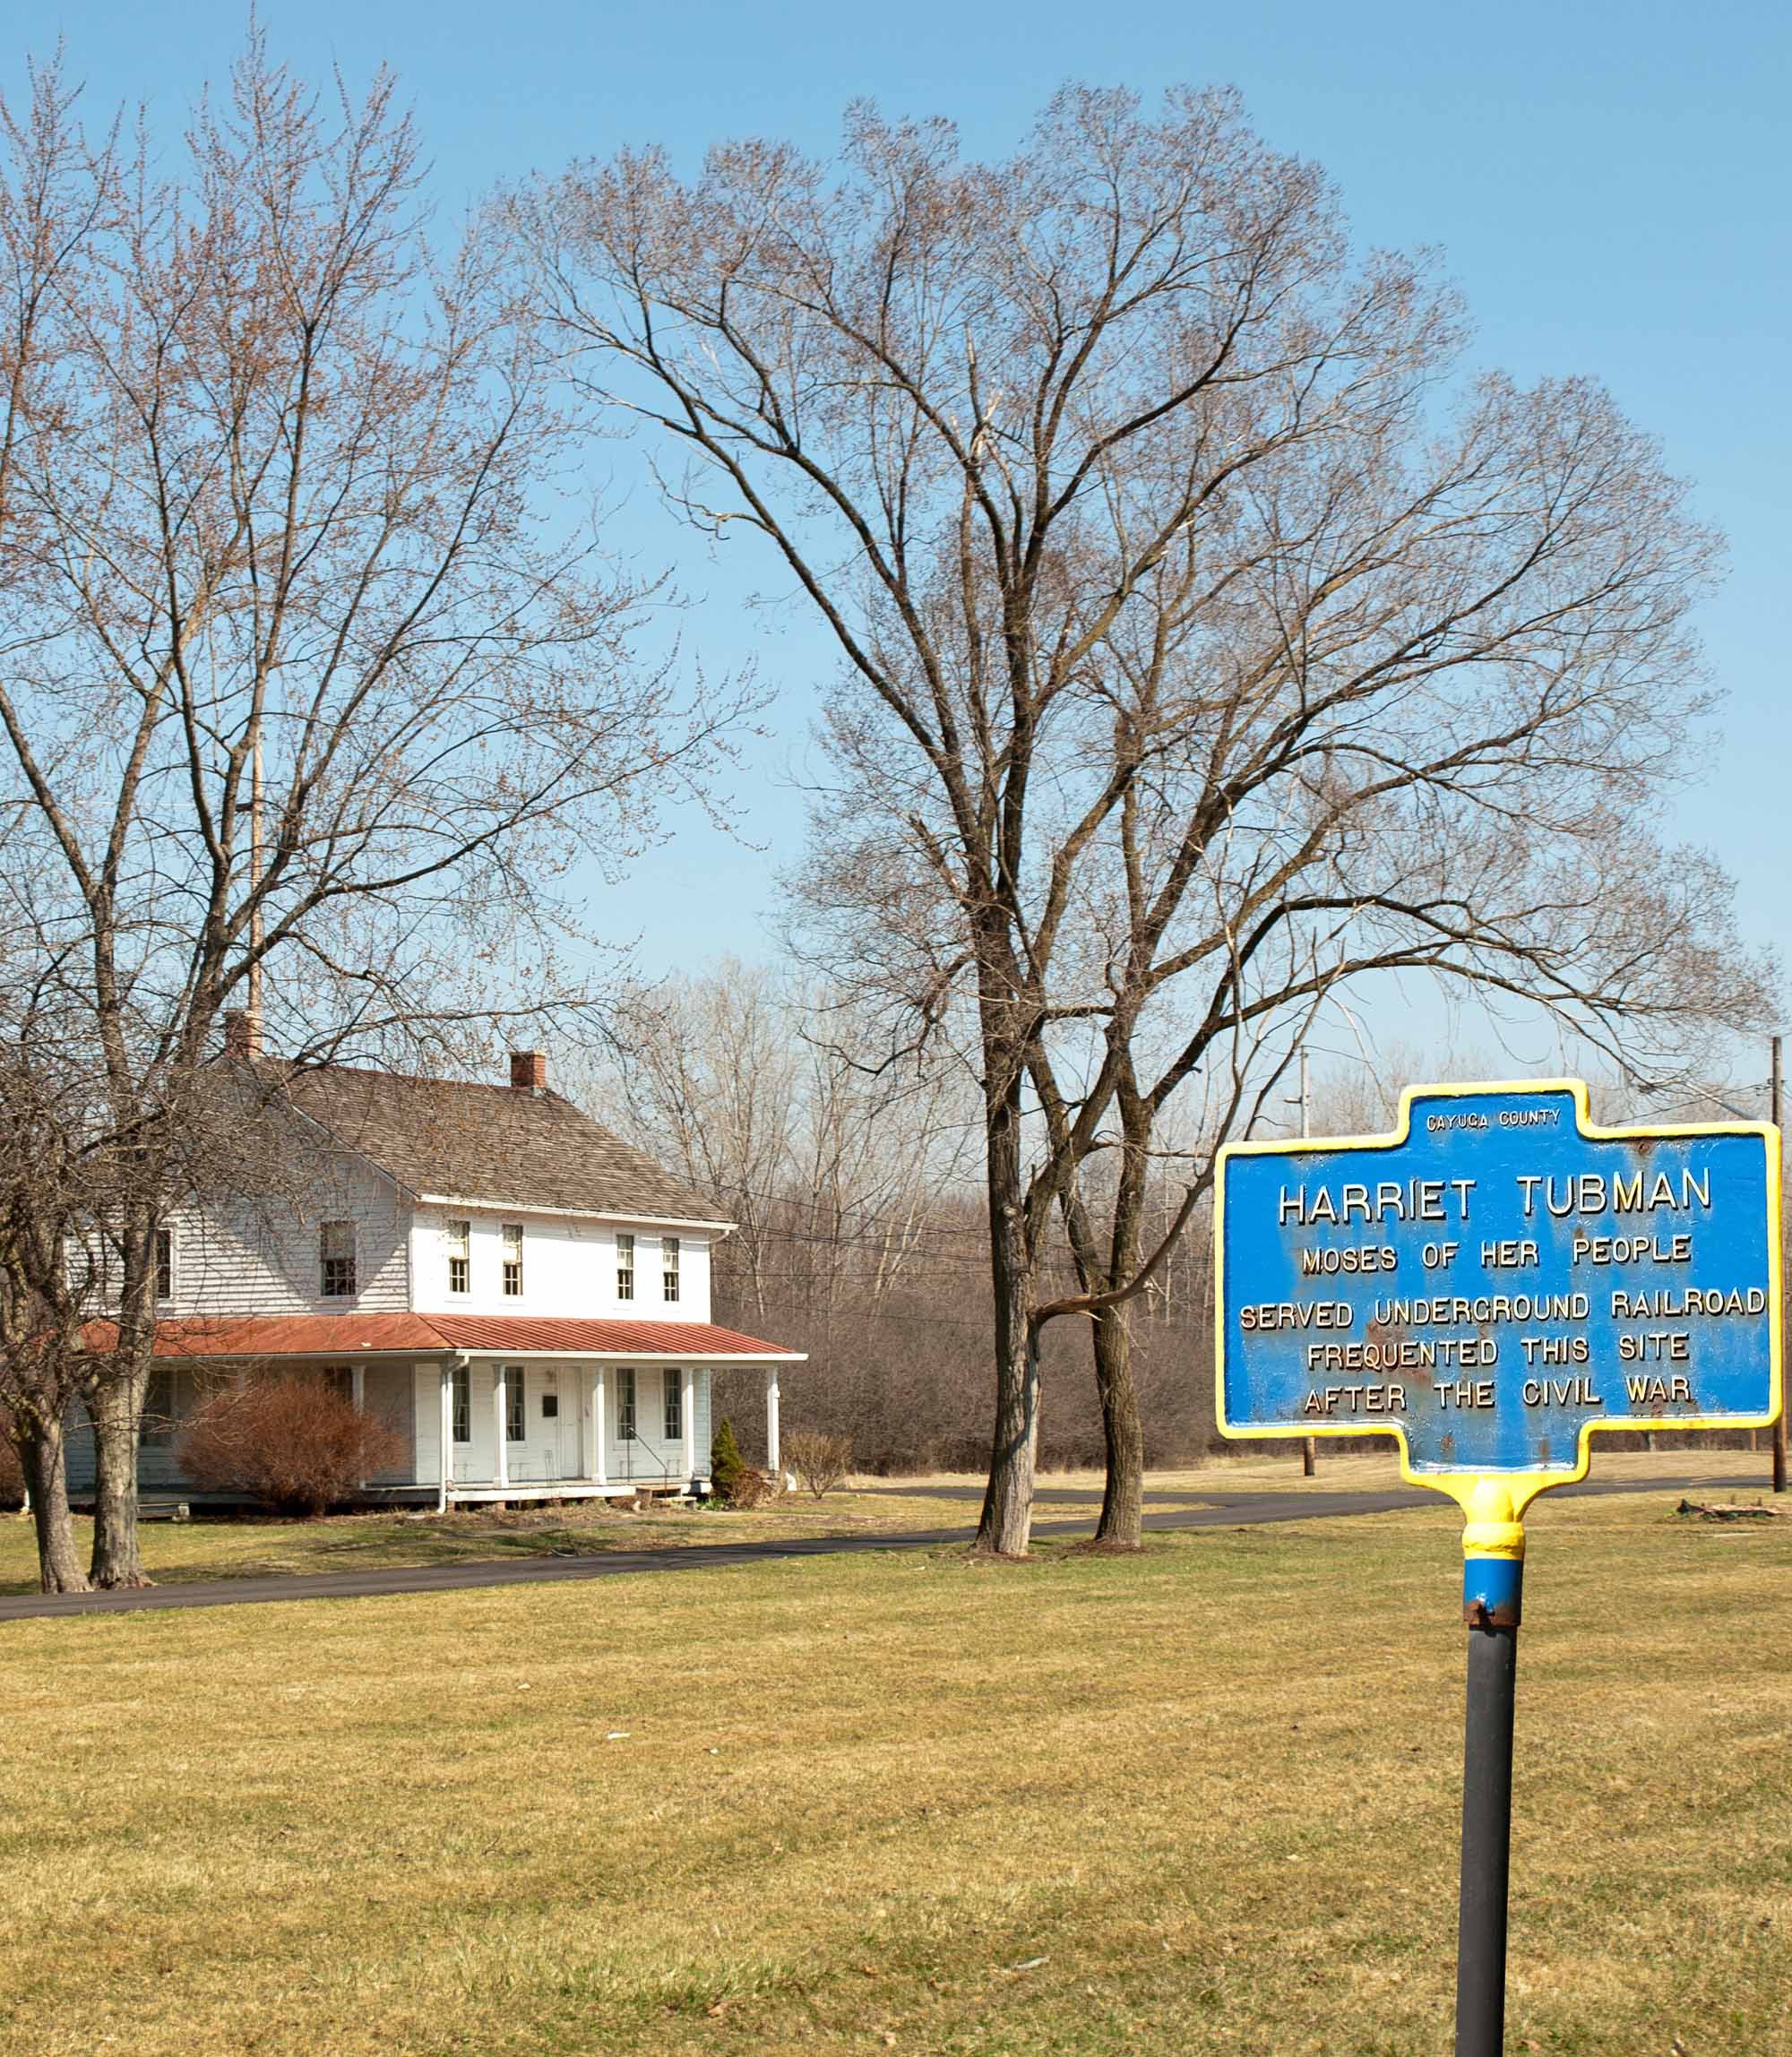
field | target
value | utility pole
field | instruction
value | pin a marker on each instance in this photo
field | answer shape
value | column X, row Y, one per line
column 1779, row 1426
column 1309, row 1448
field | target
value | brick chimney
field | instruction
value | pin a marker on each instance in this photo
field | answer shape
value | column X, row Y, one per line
column 528, row 1071
column 242, row 1035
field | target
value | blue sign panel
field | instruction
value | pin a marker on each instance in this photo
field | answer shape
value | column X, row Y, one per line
column 1498, row 1277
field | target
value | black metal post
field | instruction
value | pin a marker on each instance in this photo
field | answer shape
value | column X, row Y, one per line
column 1492, row 1593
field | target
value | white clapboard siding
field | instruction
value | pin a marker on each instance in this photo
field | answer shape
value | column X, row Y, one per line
column 261, row 1257
column 569, row 1268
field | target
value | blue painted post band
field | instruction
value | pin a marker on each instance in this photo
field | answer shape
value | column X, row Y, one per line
column 1493, row 1591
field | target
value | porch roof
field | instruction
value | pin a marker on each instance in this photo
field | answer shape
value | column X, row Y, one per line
column 351, row 1335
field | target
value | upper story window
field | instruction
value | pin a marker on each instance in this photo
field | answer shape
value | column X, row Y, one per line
column 164, row 1264
column 463, row 1403
column 675, row 1408
column 516, row 1411
column 513, row 1260
column 626, row 1405
column 668, row 1266
column 459, row 1237
column 625, row 1267
column 336, row 1260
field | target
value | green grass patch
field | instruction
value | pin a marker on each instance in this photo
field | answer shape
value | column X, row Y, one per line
column 1203, row 1799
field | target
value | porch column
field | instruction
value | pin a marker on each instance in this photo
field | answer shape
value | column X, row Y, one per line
column 771, row 1449
column 688, row 1414
column 446, row 1426
column 597, row 1470
column 501, row 1423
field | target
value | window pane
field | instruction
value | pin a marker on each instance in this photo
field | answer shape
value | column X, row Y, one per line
column 512, row 1258
column 164, row 1264
column 624, row 1268
column 458, row 1236
column 157, row 1428
column 668, row 1264
column 516, row 1417
column 463, row 1403
column 336, row 1253
column 675, row 1408
column 626, row 1405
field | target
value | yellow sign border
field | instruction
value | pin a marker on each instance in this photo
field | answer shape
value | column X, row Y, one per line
column 1483, row 1494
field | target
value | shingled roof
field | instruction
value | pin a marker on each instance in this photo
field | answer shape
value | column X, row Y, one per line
column 500, row 1145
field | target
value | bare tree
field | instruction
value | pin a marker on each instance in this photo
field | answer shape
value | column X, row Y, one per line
column 1202, row 647
column 310, row 696
column 769, row 1100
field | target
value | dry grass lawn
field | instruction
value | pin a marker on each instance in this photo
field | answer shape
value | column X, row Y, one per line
column 1200, row 1801
column 175, row 1552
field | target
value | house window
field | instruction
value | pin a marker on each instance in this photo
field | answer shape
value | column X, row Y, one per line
column 157, row 1431
column 164, row 1264
column 675, row 1408
column 513, row 1260
column 463, row 1403
column 340, row 1379
column 668, row 1266
column 459, row 1236
column 516, row 1421
column 336, row 1258
column 624, row 1268
column 626, row 1405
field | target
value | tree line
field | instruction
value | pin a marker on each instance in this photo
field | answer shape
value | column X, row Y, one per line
column 1211, row 638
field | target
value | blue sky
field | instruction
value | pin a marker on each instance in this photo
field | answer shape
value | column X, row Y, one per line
column 1607, row 183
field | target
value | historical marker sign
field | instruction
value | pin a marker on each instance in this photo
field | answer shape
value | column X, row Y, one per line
column 1493, row 1284
column 1498, row 1281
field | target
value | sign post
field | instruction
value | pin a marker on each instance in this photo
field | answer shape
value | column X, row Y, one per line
column 1493, row 1285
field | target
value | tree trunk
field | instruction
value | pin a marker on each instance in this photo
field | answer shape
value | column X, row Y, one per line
column 116, row 1415
column 1007, row 1524
column 1123, row 1494
column 40, row 1458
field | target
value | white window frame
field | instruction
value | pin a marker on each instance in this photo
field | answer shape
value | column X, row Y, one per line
column 516, row 1404
column 626, row 1426
column 165, row 1265
column 624, row 1265
column 461, row 1425
column 511, row 1239
column 326, row 1257
column 458, row 1235
column 673, row 1413
column 669, row 1268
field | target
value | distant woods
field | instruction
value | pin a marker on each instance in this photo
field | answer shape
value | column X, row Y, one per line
column 863, row 1236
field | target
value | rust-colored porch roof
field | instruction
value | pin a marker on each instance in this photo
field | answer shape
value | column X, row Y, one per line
column 352, row 1335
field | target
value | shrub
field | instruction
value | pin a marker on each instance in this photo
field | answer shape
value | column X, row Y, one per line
column 751, row 1489
column 819, row 1459
column 291, row 1440
column 727, row 1465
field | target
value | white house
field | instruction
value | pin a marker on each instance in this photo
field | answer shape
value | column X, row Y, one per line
column 523, row 1293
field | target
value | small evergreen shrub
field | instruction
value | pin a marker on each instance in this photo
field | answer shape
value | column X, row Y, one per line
column 727, row 1465
column 291, row 1441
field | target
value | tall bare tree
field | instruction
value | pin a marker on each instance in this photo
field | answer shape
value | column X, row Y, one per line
column 1202, row 645
column 311, row 694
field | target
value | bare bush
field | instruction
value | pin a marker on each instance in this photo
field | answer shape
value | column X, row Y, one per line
column 819, row 1459
column 291, row 1440
column 751, row 1489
